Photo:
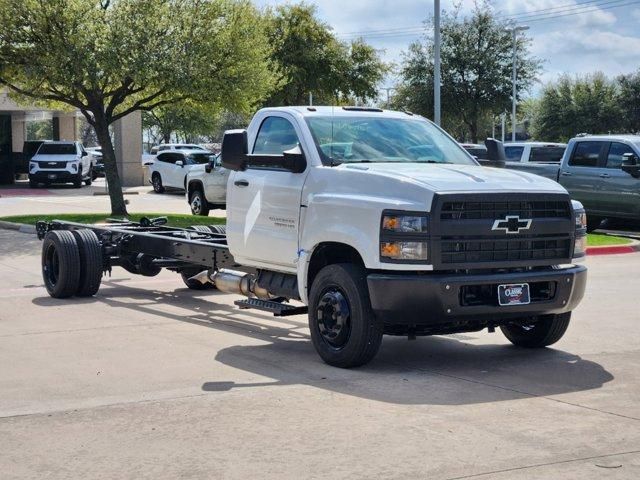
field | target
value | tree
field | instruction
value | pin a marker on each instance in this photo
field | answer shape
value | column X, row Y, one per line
column 589, row 104
column 308, row 58
column 111, row 58
column 187, row 119
column 629, row 101
column 476, row 65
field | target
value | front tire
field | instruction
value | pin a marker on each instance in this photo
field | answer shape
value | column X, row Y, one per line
column 542, row 333
column 77, row 183
column 344, row 330
column 89, row 179
column 593, row 223
column 198, row 203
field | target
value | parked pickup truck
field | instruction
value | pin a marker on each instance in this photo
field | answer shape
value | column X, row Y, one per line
column 373, row 222
column 534, row 152
column 600, row 171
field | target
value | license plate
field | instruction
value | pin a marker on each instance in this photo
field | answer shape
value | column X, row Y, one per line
column 52, row 176
column 514, row 294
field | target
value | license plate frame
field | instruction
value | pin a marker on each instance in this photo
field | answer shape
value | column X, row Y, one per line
column 511, row 294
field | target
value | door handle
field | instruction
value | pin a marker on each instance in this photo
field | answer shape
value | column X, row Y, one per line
column 605, row 175
column 241, row 183
column 566, row 174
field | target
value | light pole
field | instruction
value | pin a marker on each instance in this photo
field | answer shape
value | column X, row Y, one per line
column 514, row 31
column 436, row 62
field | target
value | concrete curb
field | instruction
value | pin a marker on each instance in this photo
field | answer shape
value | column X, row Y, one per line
column 20, row 227
column 631, row 247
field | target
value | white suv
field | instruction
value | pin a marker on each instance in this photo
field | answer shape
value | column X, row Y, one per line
column 170, row 168
column 207, row 188
column 61, row 162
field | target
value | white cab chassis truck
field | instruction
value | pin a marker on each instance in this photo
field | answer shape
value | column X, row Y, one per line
column 371, row 222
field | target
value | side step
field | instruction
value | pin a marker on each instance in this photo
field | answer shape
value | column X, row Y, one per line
column 278, row 309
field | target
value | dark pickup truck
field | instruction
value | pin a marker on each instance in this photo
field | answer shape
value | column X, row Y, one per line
column 600, row 171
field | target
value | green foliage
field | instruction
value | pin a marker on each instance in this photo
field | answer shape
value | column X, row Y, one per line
column 308, row 58
column 110, row 58
column 629, row 101
column 186, row 119
column 476, row 63
column 39, row 130
column 590, row 104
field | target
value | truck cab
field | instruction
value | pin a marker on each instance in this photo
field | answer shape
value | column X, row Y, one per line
column 381, row 223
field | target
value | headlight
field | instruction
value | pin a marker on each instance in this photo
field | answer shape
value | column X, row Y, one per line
column 403, row 237
column 32, row 166
column 404, row 223
column 74, row 166
column 403, row 250
column 580, row 247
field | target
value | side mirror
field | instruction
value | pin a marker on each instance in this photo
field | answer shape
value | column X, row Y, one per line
column 234, row 150
column 294, row 160
column 495, row 154
column 180, row 163
column 629, row 159
column 209, row 167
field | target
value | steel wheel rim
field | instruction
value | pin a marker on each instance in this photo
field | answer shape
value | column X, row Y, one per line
column 156, row 183
column 334, row 318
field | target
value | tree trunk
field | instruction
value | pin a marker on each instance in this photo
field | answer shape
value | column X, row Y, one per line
column 118, row 207
column 473, row 130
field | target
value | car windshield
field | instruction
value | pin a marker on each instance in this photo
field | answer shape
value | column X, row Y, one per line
column 379, row 139
column 200, row 158
column 57, row 149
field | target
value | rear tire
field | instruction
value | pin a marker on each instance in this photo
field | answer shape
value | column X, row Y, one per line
column 89, row 179
column 90, row 262
column 344, row 330
column 198, row 203
column 546, row 331
column 60, row 263
column 156, row 181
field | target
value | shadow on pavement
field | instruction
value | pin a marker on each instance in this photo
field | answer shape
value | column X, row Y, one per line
column 444, row 370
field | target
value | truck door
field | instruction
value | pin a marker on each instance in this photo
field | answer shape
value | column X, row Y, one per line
column 263, row 210
column 581, row 177
column 620, row 191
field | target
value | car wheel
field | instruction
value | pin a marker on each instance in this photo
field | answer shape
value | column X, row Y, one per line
column 77, row 183
column 33, row 184
column 344, row 330
column 593, row 223
column 156, row 181
column 89, row 179
column 60, row 263
column 198, row 203
column 545, row 331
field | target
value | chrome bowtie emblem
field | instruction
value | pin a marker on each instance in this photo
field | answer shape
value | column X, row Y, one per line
column 512, row 224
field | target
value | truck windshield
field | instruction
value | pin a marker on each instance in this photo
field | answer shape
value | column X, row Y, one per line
column 378, row 139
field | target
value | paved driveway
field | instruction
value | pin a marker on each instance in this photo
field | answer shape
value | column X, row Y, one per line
column 151, row 380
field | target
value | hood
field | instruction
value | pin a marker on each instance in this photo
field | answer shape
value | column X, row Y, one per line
column 459, row 178
column 54, row 158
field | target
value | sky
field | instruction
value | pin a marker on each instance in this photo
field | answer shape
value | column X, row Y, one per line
column 569, row 36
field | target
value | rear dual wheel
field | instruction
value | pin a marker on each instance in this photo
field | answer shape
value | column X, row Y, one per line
column 71, row 263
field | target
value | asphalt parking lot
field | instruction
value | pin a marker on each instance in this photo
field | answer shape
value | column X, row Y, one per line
column 152, row 380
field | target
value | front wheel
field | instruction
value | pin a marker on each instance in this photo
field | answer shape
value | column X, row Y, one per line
column 344, row 330
column 77, row 183
column 89, row 180
column 198, row 203
column 547, row 330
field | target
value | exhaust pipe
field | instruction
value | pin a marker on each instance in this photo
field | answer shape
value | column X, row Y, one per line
column 233, row 281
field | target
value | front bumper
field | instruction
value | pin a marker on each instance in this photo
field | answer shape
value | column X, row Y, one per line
column 53, row 176
column 441, row 299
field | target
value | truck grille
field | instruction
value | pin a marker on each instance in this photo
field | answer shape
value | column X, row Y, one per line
column 52, row 164
column 494, row 249
column 465, row 231
column 525, row 209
